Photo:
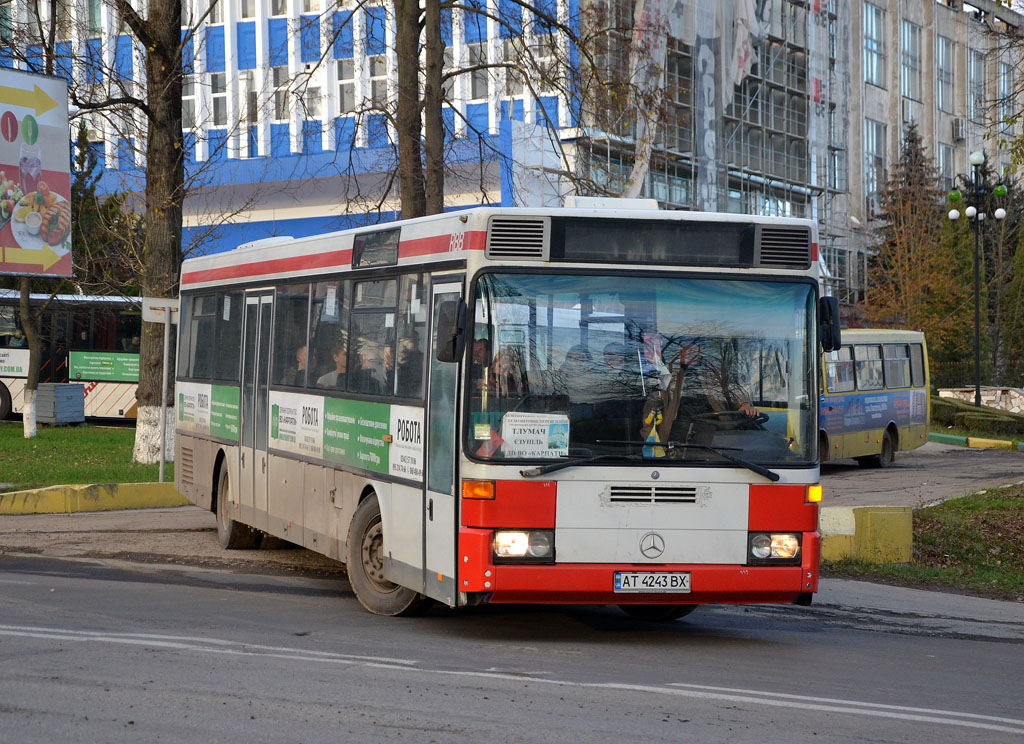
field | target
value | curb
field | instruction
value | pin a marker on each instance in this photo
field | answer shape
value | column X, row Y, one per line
column 975, row 442
column 87, row 498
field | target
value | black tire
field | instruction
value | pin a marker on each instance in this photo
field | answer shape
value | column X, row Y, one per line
column 232, row 535
column 884, row 458
column 657, row 613
column 365, row 566
column 5, row 402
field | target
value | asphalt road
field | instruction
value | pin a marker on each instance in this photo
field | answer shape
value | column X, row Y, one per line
column 934, row 472
column 112, row 651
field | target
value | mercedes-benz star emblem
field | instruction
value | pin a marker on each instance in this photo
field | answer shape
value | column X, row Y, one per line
column 652, row 545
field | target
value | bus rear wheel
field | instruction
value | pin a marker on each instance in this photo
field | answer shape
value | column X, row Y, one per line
column 5, row 402
column 365, row 565
column 885, row 457
column 232, row 535
column 657, row 613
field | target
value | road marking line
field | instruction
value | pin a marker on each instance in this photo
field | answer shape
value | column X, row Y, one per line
column 678, row 689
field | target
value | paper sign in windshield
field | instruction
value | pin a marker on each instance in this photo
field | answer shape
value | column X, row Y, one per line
column 535, row 435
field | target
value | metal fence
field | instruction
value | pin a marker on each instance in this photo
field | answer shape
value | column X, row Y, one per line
column 961, row 374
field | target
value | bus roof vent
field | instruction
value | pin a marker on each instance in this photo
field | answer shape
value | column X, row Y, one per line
column 783, row 247
column 519, row 238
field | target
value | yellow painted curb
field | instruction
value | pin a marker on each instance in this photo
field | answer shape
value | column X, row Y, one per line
column 84, row 498
column 989, row 443
column 877, row 534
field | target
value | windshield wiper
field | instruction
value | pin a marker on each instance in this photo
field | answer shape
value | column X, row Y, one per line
column 721, row 451
column 572, row 462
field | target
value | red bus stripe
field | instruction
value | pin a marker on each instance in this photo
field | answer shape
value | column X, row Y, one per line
column 330, row 259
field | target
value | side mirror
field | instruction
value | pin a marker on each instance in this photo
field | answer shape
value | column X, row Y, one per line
column 829, row 331
column 450, row 330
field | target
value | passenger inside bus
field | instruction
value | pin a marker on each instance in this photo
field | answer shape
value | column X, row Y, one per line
column 335, row 378
column 370, row 376
column 297, row 376
column 480, row 363
column 507, row 375
column 17, row 339
column 410, row 365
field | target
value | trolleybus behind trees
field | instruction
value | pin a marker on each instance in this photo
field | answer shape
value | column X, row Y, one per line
column 531, row 406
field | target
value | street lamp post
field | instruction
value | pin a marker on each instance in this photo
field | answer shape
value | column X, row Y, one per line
column 974, row 213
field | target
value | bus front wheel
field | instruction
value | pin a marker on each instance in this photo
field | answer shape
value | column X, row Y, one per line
column 232, row 535
column 657, row 613
column 365, row 565
column 884, row 458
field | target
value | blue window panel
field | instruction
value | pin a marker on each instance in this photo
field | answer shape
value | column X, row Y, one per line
column 448, row 121
column 476, row 115
column 510, row 14
column 62, row 63
column 546, row 15
column 446, row 27
column 246, row 31
column 101, row 154
column 375, row 37
column 215, row 49
column 34, row 59
column 217, row 139
column 189, row 143
column 344, row 132
column 253, row 144
column 517, row 109
column 123, row 57
column 343, row 44
column 125, row 155
column 548, row 109
column 93, row 61
column 476, row 23
column 277, row 29
column 188, row 55
column 312, row 137
column 280, row 141
column 377, row 130
column 309, row 38
column 6, row 58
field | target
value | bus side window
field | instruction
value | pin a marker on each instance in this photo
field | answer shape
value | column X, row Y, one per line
column 917, row 365
column 839, row 370
column 869, row 366
column 328, row 336
column 412, row 325
column 291, row 313
column 897, row 365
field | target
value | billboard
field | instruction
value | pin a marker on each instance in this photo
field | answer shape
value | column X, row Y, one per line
column 35, row 178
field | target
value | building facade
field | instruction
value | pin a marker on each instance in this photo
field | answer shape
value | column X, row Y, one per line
column 788, row 107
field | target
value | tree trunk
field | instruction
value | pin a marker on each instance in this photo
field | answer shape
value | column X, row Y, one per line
column 407, row 116
column 30, row 325
column 432, row 100
column 165, row 183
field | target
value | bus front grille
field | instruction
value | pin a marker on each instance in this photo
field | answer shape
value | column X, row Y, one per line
column 652, row 495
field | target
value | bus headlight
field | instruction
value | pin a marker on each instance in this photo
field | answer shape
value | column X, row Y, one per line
column 524, row 546
column 774, row 547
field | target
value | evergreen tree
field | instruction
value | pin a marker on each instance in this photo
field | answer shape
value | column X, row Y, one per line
column 915, row 277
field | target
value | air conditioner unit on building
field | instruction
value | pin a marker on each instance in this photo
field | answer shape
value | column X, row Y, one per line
column 959, row 129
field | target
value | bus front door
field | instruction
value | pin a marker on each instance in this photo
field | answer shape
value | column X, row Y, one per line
column 440, row 515
column 255, row 370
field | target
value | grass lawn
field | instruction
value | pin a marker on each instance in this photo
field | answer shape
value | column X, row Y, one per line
column 973, row 544
column 61, row 455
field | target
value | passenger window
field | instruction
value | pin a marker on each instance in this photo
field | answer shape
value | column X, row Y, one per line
column 412, row 326
column 291, row 309
column 839, row 370
column 897, row 365
column 329, row 337
column 229, row 337
column 868, row 358
column 917, row 364
column 371, row 359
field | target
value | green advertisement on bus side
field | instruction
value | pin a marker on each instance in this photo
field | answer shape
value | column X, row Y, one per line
column 354, row 433
column 224, row 412
column 208, row 409
column 103, row 365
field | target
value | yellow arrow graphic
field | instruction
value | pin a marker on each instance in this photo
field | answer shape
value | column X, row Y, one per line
column 46, row 257
column 37, row 99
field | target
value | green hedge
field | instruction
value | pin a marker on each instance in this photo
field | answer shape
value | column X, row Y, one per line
column 984, row 423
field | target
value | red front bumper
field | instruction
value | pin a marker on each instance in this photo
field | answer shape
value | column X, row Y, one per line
column 588, row 583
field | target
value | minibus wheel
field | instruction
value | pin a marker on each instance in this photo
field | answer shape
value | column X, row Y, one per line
column 365, row 565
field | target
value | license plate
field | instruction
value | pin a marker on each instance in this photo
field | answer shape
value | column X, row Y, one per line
column 654, row 582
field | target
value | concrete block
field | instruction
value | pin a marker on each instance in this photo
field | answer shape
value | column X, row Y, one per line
column 884, row 534
column 95, row 497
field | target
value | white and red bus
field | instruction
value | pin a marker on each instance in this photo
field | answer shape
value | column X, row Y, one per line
column 599, row 406
column 91, row 340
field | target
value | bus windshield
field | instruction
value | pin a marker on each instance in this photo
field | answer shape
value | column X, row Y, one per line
column 639, row 367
